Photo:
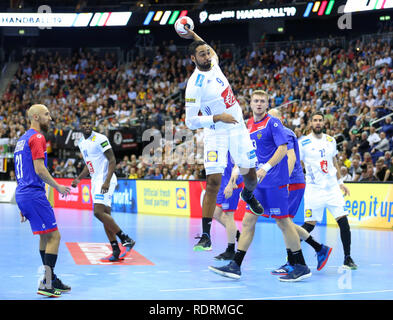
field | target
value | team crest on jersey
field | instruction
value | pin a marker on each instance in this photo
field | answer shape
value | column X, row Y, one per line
column 329, row 138
column 229, row 97
column 259, row 135
column 94, row 138
column 199, row 80
column 212, row 156
column 324, row 166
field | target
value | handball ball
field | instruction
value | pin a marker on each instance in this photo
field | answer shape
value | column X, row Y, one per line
column 181, row 23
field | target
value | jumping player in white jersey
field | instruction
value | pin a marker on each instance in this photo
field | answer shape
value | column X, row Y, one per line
column 100, row 163
column 208, row 92
column 324, row 185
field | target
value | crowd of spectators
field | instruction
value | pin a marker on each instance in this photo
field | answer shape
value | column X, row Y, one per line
column 352, row 85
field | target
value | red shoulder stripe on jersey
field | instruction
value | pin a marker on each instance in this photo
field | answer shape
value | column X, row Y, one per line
column 37, row 144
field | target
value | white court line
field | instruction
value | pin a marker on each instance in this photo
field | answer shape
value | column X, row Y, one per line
column 91, row 274
column 140, row 272
column 185, row 271
column 318, row 295
column 195, row 289
column 16, row 276
column 376, row 264
column 162, row 271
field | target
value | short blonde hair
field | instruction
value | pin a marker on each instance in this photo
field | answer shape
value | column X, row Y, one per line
column 259, row 93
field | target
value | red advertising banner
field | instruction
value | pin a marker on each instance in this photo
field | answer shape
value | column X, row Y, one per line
column 79, row 198
column 197, row 192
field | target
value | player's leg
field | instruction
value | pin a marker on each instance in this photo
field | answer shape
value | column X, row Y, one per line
column 215, row 161
column 336, row 206
column 125, row 240
column 227, row 219
column 345, row 235
column 296, row 193
column 232, row 270
column 244, row 156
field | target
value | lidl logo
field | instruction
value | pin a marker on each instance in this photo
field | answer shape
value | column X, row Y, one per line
column 212, row 156
column 308, row 213
column 181, row 200
column 85, row 194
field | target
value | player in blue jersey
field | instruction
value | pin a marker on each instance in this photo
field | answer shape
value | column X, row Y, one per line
column 227, row 202
column 270, row 141
column 296, row 193
column 30, row 161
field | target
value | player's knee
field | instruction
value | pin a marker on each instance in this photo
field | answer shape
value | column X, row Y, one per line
column 343, row 223
column 249, row 221
column 308, row 227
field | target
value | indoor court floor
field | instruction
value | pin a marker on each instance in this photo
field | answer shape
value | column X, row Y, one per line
column 164, row 266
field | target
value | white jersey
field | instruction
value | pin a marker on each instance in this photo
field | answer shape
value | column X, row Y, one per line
column 92, row 150
column 317, row 156
column 210, row 93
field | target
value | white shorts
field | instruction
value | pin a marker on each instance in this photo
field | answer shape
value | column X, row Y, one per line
column 237, row 141
column 317, row 199
column 102, row 198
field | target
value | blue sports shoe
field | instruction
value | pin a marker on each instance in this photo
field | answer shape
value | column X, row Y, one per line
column 232, row 270
column 323, row 256
column 298, row 273
column 283, row 270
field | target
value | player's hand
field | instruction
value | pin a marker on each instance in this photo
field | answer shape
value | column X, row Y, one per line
column 261, row 173
column 189, row 35
column 225, row 117
column 345, row 190
column 22, row 217
column 75, row 182
column 105, row 187
column 228, row 191
column 64, row 190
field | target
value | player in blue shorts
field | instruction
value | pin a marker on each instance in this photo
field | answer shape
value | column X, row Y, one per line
column 270, row 141
column 296, row 192
column 30, row 161
column 227, row 202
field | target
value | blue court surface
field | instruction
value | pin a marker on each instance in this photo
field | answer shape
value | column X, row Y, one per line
column 170, row 270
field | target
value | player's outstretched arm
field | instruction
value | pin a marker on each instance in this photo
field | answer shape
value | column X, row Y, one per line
column 276, row 158
column 291, row 160
column 43, row 173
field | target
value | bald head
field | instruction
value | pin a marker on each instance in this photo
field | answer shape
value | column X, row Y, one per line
column 39, row 117
column 275, row 113
column 36, row 109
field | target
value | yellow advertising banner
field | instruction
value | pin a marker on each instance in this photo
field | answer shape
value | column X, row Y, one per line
column 163, row 197
column 369, row 205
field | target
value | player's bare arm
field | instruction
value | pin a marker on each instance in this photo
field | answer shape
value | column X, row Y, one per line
column 340, row 182
column 291, row 160
column 224, row 117
column 43, row 173
column 111, row 169
column 83, row 174
column 276, row 158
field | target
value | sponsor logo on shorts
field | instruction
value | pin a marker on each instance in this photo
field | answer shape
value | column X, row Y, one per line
column 251, row 155
column 85, row 193
column 212, row 156
column 99, row 197
column 181, row 201
column 275, row 211
column 308, row 213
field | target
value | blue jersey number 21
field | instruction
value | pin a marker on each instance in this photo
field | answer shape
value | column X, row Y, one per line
column 19, row 166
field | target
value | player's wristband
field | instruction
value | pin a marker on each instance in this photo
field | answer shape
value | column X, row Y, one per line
column 267, row 166
column 236, row 172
